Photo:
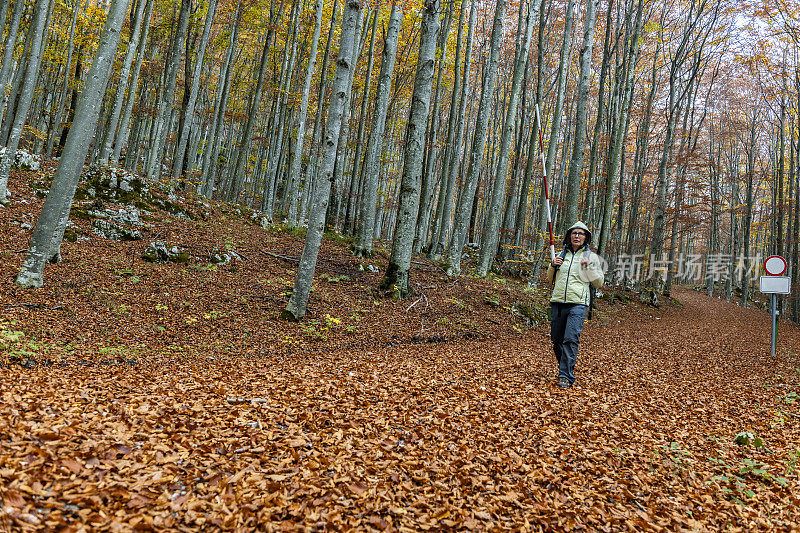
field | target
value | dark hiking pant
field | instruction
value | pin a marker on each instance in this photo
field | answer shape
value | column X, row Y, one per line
column 566, row 324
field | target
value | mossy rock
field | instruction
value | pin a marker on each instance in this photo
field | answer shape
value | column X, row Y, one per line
column 112, row 184
column 70, row 235
column 115, row 232
column 160, row 252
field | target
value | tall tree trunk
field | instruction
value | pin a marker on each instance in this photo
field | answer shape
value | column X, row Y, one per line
column 464, row 208
column 534, row 160
column 31, row 73
column 397, row 280
column 211, row 151
column 355, row 181
column 601, row 93
column 255, row 100
column 618, row 136
column 119, row 97
column 121, row 140
column 188, row 119
column 492, row 224
column 337, row 187
column 293, row 186
column 366, row 226
column 8, row 50
column 455, row 130
column 561, row 83
column 427, row 199
column 49, row 227
column 581, row 112
column 296, row 308
column 316, row 142
column 640, row 156
column 166, row 102
column 749, row 201
column 62, row 97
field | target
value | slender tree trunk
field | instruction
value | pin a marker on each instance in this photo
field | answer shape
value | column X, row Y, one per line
column 581, row 112
column 464, row 209
column 640, row 157
column 355, row 185
column 211, row 151
column 316, row 143
column 121, row 140
column 455, row 129
column 62, row 97
column 561, row 83
column 31, row 73
column 119, row 97
column 397, row 280
column 534, row 160
column 293, row 187
column 8, row 51
column 255, row 100
column 427, row 199
column 618, row 136
column 366, row 227
column 49, row 227
column 166, row 103
column 337, row 187
column 749, row 201
column 492, row 224
column 296, row 308
column 188, row 119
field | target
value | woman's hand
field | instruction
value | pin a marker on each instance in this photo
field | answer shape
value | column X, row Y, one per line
column 557, row 262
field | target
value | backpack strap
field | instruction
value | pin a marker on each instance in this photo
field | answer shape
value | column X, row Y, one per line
column 562, row 255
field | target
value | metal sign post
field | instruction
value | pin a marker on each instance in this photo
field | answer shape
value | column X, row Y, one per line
column 774, row 284
column 774, row 309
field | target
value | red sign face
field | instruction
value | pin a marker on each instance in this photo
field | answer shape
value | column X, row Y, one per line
column 775, row 265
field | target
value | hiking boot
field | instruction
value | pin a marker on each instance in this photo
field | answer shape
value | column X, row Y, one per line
column 564, row 383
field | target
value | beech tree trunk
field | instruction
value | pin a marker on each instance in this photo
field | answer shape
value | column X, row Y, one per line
column 255, row 100
column 581, row 113
column 296, row 308
column 618, row 136
column 119, row 97
column 166, row 102
column 62, row 96
column 31, row 72
column 397, row 280
column 48, row 231
column 121, row 140
column 355, row 174
column 492, row 224
column 206, row 186
column 369, row 200
column 455, row 130
column 8, row 50
column 293, row 187
column 188, row 119
column 464, row 208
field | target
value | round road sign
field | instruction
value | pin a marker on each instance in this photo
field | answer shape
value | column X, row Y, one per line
column 775, row 265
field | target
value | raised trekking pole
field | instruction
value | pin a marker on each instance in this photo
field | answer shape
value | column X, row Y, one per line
column 546, row 187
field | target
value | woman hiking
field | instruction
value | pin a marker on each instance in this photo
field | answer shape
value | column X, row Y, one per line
column 572, row 273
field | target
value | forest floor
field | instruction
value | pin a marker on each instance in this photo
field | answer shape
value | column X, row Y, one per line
column 172, row 397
